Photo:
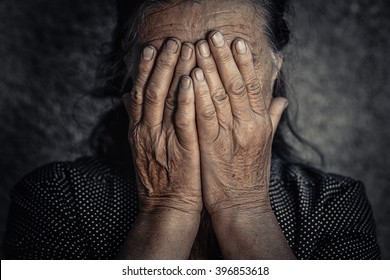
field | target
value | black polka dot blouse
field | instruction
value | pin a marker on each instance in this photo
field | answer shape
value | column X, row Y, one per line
column 85, row 209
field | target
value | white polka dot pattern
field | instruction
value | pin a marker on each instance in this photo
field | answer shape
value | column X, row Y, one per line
column 84, row 210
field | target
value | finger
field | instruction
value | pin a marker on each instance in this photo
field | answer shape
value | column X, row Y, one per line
column 244, row 60
column 185, row 124
column 206, row 116
column 185, row 64
column 276, row 109
column 133, row 100
column 218, row 93
column 159, row 83
column 230, row 76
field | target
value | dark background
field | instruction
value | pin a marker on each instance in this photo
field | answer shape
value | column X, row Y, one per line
column 338, row 72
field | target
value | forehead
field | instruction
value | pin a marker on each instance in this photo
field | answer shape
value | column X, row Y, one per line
column 190, row 22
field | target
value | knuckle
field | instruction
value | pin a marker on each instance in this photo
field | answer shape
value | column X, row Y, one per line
column 182, row 121
column 136, row 97
column 225, row 55
column 141, row 79
column 170, row 102
column 185, row 100
column 165, row 64
column 143, row 74
column 208, row 114
column 152, row 95
column 254, row 86
column 203, row 91
column 237, row 87
column 245, row 61
column 220, row 95
column 182, row 68
column 209, row 68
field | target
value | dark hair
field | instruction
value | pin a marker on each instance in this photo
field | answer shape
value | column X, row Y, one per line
column 109, row 138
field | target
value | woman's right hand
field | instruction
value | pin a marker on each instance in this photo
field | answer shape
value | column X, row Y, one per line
column 162, row 131
column 164, row 142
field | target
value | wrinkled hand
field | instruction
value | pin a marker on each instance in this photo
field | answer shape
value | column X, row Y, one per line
column 162, row 133
column 225, row 137
column 235, row 127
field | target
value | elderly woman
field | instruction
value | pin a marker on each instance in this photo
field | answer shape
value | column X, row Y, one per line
column 209, row 174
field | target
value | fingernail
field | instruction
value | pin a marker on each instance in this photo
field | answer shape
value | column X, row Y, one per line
column 185, row 82
column 148, row 53
column 172, row 46
column 204, row 49
column 218, row 39
column 285, row 105
column 199, row 75
column 240, row 47
column 186, row 52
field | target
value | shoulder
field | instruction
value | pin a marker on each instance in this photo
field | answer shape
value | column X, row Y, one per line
column 62, row 173
column 308, row 181
column 59, row 178
column 84, row 207
column 314, row 192
column 323, row 215
column 91, row 167
column 84, row 182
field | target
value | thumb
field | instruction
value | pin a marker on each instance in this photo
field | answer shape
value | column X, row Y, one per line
column 276, row 109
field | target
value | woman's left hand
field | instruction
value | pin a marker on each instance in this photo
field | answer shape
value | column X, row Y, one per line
column 236, row 131
column 235, row 127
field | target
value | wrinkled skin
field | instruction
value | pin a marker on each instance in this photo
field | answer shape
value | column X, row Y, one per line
column 164, row 141
column 224, row 158
column 235, row 127
column 202, row 121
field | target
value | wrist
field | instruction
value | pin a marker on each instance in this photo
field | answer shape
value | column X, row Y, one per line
column 170, row 204
column 241, row 216
column 250, row 235
column 169, row 218
column 162, row 234
column 250, row 204
column 236, row 198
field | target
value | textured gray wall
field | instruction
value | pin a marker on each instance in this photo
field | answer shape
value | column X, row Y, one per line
column 338, row 71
